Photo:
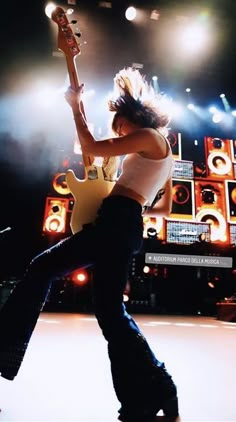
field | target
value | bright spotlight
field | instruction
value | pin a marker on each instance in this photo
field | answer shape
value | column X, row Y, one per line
column 234, row 113
column 213, row 110
column 176, row 111
column 217, row 117
column 225, row 102
column 80, row 277
column 188, row 90
column 155, row 84
column 191, row 106
column 49, row 9
column 193, row 38
column 45, row 95
column 146, row 269
column 131, row 13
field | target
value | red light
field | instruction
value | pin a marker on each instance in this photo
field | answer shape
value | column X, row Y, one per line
column 80, row 277
column 65, row 163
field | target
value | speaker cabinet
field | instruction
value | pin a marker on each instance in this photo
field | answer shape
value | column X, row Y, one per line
column 226, row 311
column 183, row 169
column 230, row 187
column 233, row 149
column 153, row 227
column 175, row 143
column 232, row 234
column 59, row 184
column 57, row 215
column 218, row 158
column 182, row 200
column 211, row 208
column 234, row 167
column 186, row 232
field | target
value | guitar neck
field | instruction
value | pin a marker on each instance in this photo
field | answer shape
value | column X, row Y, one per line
column 74, row 83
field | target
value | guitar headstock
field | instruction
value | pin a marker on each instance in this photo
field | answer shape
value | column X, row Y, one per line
column 66, row 40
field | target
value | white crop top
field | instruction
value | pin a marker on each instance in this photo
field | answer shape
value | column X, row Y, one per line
column 145, row 176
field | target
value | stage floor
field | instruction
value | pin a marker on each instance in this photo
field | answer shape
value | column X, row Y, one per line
column 65, row 376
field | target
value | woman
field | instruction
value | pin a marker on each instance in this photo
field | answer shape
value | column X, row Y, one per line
column 141, row 382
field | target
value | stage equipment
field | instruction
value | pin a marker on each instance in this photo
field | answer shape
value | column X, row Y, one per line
column 230, row 187
column 186, row 232
column 232, row 234
column 57, row 214
column 175, row 143
column 153, row 227
column 218, row 158
column 183, row 169
column 183, row 200
column 211, row 208
column 59, row 184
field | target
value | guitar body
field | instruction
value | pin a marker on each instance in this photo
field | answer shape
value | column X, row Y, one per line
column 88, row 195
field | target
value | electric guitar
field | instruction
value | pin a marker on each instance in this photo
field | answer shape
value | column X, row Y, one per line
column 88, row 193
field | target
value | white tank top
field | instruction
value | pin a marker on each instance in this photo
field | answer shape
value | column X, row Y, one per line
column 146, row 176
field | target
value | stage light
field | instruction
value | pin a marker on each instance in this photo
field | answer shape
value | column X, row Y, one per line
column 130, row 13
column 79, row 277
column 125, row 298
column 217, row 117
column 155, row 15
column 188, row 90
column 193, row 38
column 45, row 96
column 213, row 110
column 191, row 106
column 225, row 103
column 146, row 269
column 233, row 113
column 49, row 9
column 155, row 84
column 175, row 110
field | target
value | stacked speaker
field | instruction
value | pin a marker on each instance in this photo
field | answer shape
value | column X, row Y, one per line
column 209, row 196
column 204, row 197
column 59, row 202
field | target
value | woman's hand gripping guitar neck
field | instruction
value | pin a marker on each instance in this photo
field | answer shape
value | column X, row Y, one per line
column 74, row 99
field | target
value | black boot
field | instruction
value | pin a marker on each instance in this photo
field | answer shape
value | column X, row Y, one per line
column 159, row 394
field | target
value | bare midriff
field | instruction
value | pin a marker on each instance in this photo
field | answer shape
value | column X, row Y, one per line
column 123, row 191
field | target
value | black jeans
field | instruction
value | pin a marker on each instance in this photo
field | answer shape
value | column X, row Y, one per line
column 109, row 246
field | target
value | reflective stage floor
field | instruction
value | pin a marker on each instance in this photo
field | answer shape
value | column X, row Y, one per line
column 65, row 375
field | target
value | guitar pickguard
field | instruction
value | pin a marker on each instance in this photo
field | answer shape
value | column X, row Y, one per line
column 88, row 195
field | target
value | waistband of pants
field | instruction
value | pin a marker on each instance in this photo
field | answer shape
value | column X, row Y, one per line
column 122, row 202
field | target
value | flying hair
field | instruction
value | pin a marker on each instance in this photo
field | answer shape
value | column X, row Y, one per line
column 133, row 97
